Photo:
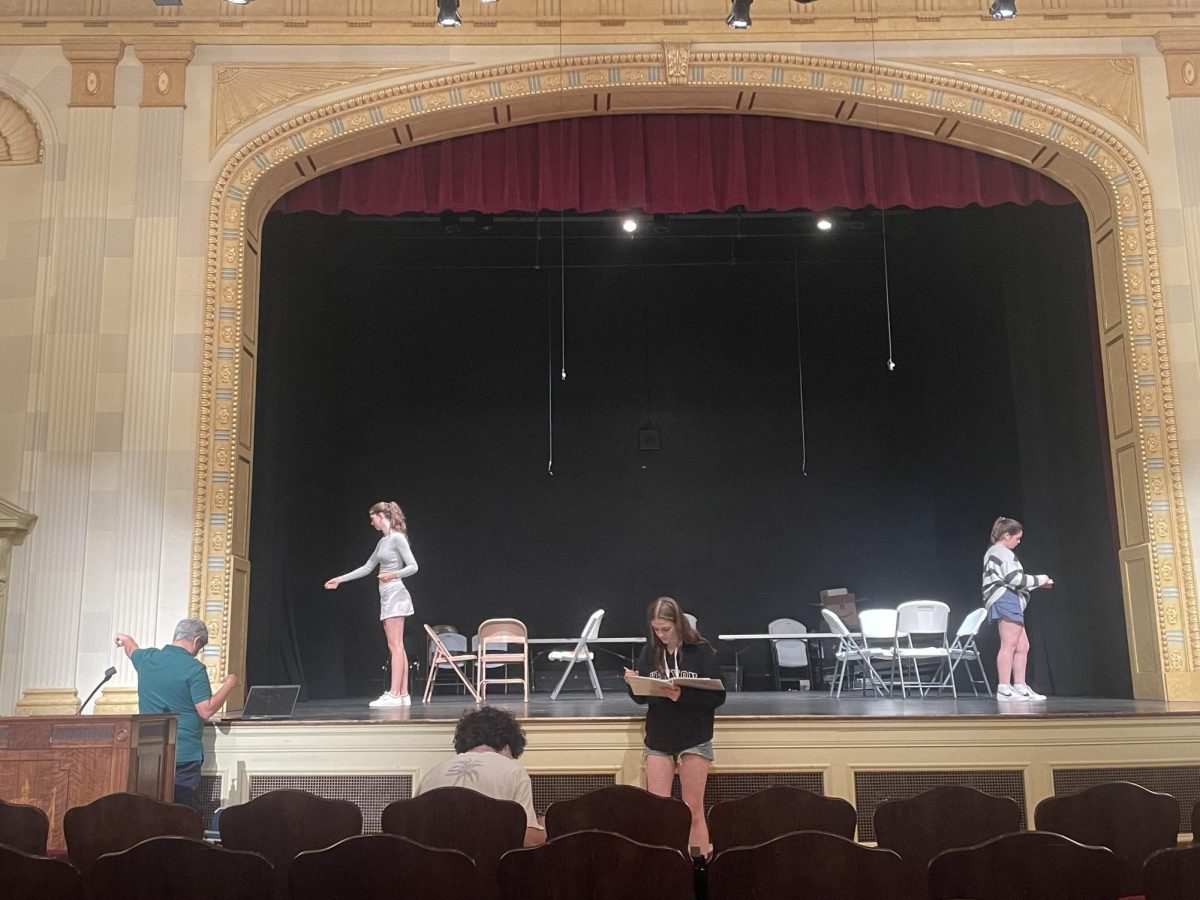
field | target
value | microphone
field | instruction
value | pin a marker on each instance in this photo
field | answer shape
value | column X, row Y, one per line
column 108, row 673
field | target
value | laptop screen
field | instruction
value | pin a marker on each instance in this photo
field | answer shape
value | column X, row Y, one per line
column 271, row 701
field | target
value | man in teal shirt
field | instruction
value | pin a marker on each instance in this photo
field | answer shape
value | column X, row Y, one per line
column 172, row 680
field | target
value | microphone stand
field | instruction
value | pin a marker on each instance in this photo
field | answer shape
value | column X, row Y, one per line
column 108, row 673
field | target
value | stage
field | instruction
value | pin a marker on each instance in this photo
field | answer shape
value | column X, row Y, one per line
column 865, row 749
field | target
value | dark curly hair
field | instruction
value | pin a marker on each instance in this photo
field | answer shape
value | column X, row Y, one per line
column 489, row 727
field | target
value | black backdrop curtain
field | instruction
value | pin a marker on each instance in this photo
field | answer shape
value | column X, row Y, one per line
column 673, row 164
column 427, row 368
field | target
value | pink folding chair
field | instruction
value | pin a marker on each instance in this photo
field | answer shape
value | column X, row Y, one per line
column 503, row 641
column 442, row 655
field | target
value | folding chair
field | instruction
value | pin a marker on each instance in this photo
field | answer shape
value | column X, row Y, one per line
column 789, row 653
column 927, row 618
column 454, row 643
column 443, row 656
column 849, row 651
column 581, row 652
column 506, row 633
column 963, row 649
column 878, row 628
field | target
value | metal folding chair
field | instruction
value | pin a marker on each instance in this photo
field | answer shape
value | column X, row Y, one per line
column 963, row 650
column 442, row 656
column 850, row 650
column 581, row 653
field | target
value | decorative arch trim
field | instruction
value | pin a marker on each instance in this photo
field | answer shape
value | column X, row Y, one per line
column 1155, row 552
column 20, row 140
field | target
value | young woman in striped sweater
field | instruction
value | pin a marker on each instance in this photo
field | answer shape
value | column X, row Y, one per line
column 1006, row 590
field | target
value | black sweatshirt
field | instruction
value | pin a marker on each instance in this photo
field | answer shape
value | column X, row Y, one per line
column 676, row 725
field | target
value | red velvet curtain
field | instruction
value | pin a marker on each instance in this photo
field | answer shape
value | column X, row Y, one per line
column 673, row 164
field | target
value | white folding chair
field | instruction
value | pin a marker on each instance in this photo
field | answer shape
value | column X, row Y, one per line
column 850, row 650
column 878, row 628
column 441, row 658
column 581, row 653
column 789, row 653
column 962, row 649
column 920, row 637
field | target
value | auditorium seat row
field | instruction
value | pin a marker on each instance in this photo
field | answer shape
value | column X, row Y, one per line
column 781, row 842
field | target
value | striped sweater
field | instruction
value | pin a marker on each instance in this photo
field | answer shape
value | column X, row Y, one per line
column 1002, row 571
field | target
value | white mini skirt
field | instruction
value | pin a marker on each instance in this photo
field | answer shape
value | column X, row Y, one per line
column 394, row 600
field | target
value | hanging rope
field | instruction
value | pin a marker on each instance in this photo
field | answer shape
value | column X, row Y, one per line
column 887, row 283
column 799, row 362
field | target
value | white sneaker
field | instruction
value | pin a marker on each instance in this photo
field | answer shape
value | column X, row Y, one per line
column 405, row 699
column 1007, row 693
column 386, row 699
column 1028, row 693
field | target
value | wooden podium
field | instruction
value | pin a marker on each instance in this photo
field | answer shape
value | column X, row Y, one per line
column 57, row 762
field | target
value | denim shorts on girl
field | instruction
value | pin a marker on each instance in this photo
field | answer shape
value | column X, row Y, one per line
column 1008, row 608
column 705, row 750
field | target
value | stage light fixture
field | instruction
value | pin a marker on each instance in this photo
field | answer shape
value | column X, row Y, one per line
column 1003, row 9
column 739, row 14
column 629, row 224
column 824, row 224
column 447, row 15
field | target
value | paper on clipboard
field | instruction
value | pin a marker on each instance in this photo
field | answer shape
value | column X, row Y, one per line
column 643, row 686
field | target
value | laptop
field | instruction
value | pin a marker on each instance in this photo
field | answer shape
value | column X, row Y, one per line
column 269, row 701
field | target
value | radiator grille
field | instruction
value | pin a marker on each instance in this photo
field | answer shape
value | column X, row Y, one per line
column 370, row 793
column 736, row 785
column 208, row 797
column 548, row 788
column 872, row 788
column 82, row 734
column 1181, row 782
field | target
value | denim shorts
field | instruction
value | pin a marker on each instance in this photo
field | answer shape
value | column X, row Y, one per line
column 705, row 750
column 1007, row 607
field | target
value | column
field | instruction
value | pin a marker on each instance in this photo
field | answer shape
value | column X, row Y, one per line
column 15, row 525
column 141, row 483
column 1181, row 52
column 70, row 346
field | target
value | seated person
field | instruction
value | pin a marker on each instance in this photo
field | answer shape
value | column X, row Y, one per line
column 487, row 742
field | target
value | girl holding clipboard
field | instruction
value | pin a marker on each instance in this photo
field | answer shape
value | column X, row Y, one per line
column 679, row 719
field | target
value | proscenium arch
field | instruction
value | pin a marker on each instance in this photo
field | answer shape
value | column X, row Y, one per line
column 1155, row 553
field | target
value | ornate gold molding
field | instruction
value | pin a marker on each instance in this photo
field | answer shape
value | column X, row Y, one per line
column 1181, row 50
column 1156, row 557
column 361, row 22
column 93, row 70
column 244, row 93
column 20, row 141
column 164, row 71
column 1109, row 84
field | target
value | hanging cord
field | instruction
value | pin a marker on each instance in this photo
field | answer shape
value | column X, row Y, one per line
column 549, row 376
column 562, row 275
column 799, row 363
column 562, row 213
column 887, row 283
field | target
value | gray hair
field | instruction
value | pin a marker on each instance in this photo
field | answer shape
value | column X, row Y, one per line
column 190, row 630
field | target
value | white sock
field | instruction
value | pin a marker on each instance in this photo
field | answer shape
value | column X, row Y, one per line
column 1004, row 688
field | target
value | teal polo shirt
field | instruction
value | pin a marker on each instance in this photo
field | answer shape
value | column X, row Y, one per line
column 171, row 680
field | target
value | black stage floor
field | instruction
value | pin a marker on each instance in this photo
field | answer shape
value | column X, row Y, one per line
column 751, row 704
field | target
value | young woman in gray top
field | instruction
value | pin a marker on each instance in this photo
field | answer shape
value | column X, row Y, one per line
column 395, row 560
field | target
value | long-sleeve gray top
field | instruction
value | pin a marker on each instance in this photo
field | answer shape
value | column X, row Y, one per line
column 392, row 554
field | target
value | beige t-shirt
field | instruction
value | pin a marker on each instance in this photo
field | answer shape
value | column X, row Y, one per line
column 488, row 772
